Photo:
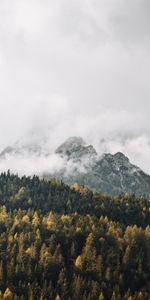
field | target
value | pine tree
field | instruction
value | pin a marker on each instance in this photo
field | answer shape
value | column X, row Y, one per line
column 140, row 296
column 78, row 262
column 57, row 297
column 8, row 295
column 62, row 284
column 114, row 297
column 101, row 297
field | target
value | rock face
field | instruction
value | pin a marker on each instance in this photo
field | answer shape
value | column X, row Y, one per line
column 113, row 174
column 75, row 148
column 77, row 162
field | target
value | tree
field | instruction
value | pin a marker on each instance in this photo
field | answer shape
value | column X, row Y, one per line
column 78, row 262
column 101, row 297
column 140, row 296
column 8, row 295
column 1, row 271
column 62, row 284
column 114, row 297
column 35, row 219
column 57, row 297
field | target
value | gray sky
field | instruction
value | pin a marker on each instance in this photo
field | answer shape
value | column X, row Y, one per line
column 72, row 67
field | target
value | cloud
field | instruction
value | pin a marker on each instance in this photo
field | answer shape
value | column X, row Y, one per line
column 131, row 22
column 70, row 67
column 28, row 164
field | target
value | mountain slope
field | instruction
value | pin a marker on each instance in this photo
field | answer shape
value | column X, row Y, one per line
column 113, row 174
column 74, row 161
column 57, row 240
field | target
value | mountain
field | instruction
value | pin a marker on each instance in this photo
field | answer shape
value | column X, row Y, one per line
column 75, row 149
column 113, row 174
column 76, row 162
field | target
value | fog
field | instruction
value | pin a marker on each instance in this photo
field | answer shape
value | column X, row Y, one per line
column 70, row 67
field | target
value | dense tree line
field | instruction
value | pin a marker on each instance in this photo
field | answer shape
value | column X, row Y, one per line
column 67, row 243
column 54, row 195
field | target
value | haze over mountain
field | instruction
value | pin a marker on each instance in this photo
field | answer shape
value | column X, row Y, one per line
column 70, row 67
column 113, row 174
column 75, row 161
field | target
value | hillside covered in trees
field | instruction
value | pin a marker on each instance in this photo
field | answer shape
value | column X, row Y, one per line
column 58, row 242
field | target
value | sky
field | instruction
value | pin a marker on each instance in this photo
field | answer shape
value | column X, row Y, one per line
column 72, row 67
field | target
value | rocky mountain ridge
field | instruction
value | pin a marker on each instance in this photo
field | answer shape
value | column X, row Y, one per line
column 108, row 173
column 113, row 174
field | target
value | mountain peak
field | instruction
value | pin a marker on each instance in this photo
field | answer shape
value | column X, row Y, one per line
column 74, row 141
column 75, row 147
column 79, row 162
column 121, row 157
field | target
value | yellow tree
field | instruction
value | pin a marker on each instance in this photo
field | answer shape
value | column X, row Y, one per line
column 8, row 295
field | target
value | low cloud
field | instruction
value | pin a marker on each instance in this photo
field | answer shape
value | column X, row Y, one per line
column 35, row 152
column 32, row 164
column 70, row 68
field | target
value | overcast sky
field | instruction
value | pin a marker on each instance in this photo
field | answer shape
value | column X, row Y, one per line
column 76, row 67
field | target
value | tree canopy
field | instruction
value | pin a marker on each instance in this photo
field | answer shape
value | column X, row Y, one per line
column 59, row 242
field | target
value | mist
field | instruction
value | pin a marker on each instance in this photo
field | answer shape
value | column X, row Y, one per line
column 72, row 68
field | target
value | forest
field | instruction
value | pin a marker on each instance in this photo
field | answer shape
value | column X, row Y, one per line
column 67, row 243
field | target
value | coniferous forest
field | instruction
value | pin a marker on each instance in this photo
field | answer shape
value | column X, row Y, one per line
column 58, row 242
